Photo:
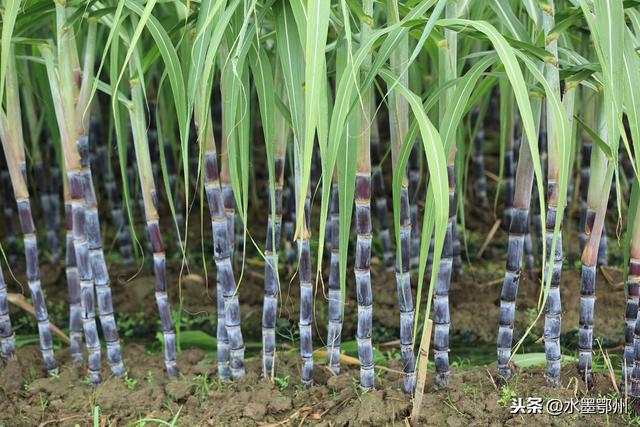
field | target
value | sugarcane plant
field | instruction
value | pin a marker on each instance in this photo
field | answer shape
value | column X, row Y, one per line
column 322, row 83
column 72, row 100
column 11, row 136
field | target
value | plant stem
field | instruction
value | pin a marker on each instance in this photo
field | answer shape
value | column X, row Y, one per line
column 335, row 294
column 73, row 286
column 380, row 197
column 631, row 313
column 7, row 337
column 13, row 146
column 398, row 127
column 99, row 265
column 152, row 218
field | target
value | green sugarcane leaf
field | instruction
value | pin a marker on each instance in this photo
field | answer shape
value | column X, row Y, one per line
column 436, row 161
column 559, row 114
column 576, row 74
column 565, row 18
column 606, row 23
column 531, row 49
column 507, row 56
column 532, row 9
column 263, row 79
column 631, row 99
column 345, row 86
column 79, row 13
column 602, row 145
column 316, row 40
column 9, row 16
column 356, row 8
column 509, row 20
column 169, row 56
column 289, row 54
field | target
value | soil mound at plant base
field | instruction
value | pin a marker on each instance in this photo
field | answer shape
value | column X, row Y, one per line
column 28, row 398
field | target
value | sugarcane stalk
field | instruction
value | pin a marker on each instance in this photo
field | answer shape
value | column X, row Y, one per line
column 520, row 218
column 288, row 196
column 553, row 309
column 602, row 250
column 447, row 69
column 542, row 149
column 589, row 259
column 479, row 179
column 225, row 265
column 335, row 309
column 528, row 248
column 114, row 199
column 274, row 225
column 585, row 173
column 7, row 336
column 631, row 312
column 414, row 181
column 47, row 207
column 170, row 160
column 271, row 281
column 37, row 155
column 441, row 318
column 398, row 127
column 98, row 264
column 98, row 274
column 380, row 197
column 305, row 276
column 54, row 188
column 364, row 228
column 509, row 161
column 13, row 146
column 517, row 230
column 405, row 299
column 152, row 218
column 221, row 251
column 73, row 286
column 7, row 211
column 597, row 198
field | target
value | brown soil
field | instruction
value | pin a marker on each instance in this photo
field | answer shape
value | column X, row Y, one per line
column 27, row 397
column 198, row 399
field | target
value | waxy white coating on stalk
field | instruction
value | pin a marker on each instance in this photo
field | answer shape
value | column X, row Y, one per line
column 99, row 265
column 334, row 303
column 229, row 334
column 271, row 280
column 517, row 229
column 73, row 290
